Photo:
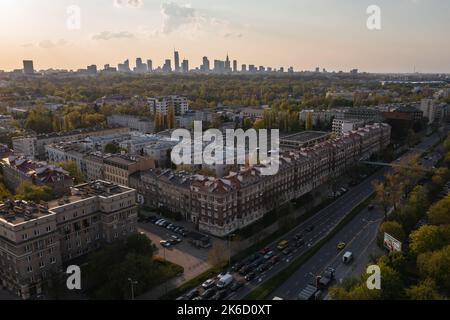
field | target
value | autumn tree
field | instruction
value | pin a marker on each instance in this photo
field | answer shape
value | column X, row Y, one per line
column 439, row 213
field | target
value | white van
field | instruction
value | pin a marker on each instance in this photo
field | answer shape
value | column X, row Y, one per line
column 225, row 281
column 347, row 257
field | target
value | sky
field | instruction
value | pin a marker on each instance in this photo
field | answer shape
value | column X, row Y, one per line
column 305, row 34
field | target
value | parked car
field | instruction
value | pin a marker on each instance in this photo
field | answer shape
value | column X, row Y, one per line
column 287, row 251
column 225, row 281
column 208, row 284
column 245, row 270
column 264, row 251
column 159, row 221
column 310, row 228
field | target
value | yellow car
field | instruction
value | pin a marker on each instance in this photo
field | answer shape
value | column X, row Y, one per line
column 341, row 246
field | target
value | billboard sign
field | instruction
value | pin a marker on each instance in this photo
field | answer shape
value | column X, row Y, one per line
column 392, row 244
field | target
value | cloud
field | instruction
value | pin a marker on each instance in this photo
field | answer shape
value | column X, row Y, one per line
column 107, row 35
column 176, row 16
column 233, row 35
column 128, row 3
column 49, row 44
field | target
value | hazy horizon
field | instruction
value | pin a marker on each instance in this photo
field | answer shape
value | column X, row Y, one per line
column 304, row 34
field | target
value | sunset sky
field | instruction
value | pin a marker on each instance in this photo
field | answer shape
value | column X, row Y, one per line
column 330, row 34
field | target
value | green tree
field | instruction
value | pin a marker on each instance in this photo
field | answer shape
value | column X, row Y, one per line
column 435, row 265
column 424, row 290
column 71, row 167
column 393, row 228
column 31, row 192
column 439, row 213
column 428, row 238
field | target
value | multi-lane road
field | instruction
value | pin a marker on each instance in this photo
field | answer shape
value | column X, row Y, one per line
column 358, row 234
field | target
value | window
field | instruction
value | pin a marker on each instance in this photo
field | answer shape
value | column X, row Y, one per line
column 52, row 260
column 30, row 269
column 41, row 264
column 24, row 236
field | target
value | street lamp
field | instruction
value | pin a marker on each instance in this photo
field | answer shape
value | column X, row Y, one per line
column 132, row 283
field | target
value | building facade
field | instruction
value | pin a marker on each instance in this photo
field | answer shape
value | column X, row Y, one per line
column 38, row 239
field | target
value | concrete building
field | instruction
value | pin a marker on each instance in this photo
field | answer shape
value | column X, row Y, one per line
column 162, row 104
column 434, row 111
column 341, row 126
column 38, row 239
column 132, row 122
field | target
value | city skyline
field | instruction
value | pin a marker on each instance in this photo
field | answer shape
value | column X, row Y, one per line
column 111, row 31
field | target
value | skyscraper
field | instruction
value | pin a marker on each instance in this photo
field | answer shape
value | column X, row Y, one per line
column 28, row 67
column 167, row 67
column 244, row 68
column 205, row 67
column 177, row 61
column 149, row 65
column 185, row 66
column 227, row 64
column 235, row 66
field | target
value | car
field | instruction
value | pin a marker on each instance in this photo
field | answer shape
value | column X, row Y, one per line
column 269, row 255
column 263, row 267
column 192, row 294
column 245, row 270
column 250, row 276
column 209, row 293
column 370, row 207
column 208, row 284
column 176, row 239
column 310, row 228
column 237, row 266
column 176, row 229
column 287, row 251
column 164, row 224
column 298, row 236
column 343, row 190
column 275, row 259
column 236, row 286
column 170, row 226
column 347, row 257
column 341, row 245
column 283, row 245
column 264, row 251
column 197, row 298
column 158, row 222
column 299, row 243
column 165, row 243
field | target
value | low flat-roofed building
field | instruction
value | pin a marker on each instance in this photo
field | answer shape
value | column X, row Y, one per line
column 303, row 139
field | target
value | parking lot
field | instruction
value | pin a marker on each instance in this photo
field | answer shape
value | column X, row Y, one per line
column 192, row 259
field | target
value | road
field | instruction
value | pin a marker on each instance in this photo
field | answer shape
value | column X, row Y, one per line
column 360, row 237
column 325, row 221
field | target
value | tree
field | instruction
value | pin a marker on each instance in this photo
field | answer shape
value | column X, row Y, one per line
column 31, row 192
column 112, row 148
column 428, row 238
column 394, row 229
column 71, row 167
column 40, row 120
column 439, row 213
column 309, row 121
column 424, row 290
column 435, row 265
column 259, row 124
column 171, row 118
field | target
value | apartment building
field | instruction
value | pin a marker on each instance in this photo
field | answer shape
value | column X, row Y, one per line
column 34, row 145
column 19, row 169
column 134, row 123
column 118, row 168
column 38, row 239
column 223, row 205
column 341, row 126
column 163, row 104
